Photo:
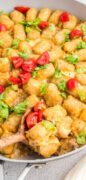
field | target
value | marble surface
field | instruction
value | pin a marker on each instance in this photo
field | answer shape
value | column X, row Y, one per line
column 55, row 170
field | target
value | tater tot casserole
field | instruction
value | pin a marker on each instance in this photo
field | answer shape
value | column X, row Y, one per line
column 42, row 67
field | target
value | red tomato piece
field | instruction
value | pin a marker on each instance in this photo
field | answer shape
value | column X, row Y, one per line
column 76, row 33
column 3, row 27
column 39, row 106
column 25, row 76
column 43, row 24
column 64, row 17
column 40, row 115
column 15, row 80
column 43, row 59
column 71, row 83
column 32, row 119
column 29, row 65
column 17, row 61
column 1, row 89
column 22, row 9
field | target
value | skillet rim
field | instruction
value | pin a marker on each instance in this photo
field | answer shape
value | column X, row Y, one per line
column 44, row 160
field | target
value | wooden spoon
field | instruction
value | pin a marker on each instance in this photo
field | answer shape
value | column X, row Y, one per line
column 19, row 136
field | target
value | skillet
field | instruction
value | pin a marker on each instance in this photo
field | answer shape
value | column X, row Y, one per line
column 34, row 160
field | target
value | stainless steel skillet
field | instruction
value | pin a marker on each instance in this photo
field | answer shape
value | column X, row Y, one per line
column 79, row 10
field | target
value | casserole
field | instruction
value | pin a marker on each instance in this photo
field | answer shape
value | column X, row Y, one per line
column 52, row 5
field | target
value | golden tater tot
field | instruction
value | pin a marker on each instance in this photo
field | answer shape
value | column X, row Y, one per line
column 31, row 14
column 44, row 14
column 17, row 16
column 19, row 32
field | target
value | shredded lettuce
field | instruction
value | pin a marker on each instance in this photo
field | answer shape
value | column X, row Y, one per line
column 24, row 55
column 20, row 108
column 4, row 110
column 81, row 45
column 73, row 59
column 38, row 68
column 57, row 73
column 34, row 24
column 48, row 125
column 81, row 138
column 15, row 43
column 83, row 27
column 43, row 88
column 62, row 85
column 67, row 36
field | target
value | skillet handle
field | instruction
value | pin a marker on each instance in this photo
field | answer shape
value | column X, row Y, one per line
column 1, row 170
column 27, row 169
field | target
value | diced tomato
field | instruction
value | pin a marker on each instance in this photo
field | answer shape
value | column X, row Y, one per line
column 22, row 9
column 39, row 106
column 64, row 17
column 76, row 33
column 3, row 27
column 25, row 76
column 43, row 24
column 32, row 119
column 71, row 83
column 40, row 115
column 43, row 59
column 17, row 61
column 15, row 80
column 1, row 89
column 29, row 65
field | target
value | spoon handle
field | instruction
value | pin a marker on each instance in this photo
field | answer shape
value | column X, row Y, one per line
column 11, row 140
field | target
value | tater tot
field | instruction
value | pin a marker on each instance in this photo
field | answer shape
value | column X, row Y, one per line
column 65, row 66
column 4, row 78
column 6, row 39
column 33, row 43
column 15, row 73
column 56, row 53
column 44, row 14
column 54, row 98
column 82, row 54
column 9, row 52
column 13, row 97
column 17, row 16
column 19, row 32
column 42, row 46
column 8, row 149
column 45, row 140
column 4, row 19
column 1, row 131
column 33, row 34
column 60, row 36
column 46, row 73
column 32, row 100
column 54, row 113
column 24, row 46
column 71, row 23
column 78, row 126
column 49, row 32
column 82, row 66
column 54, row 18
column 32, row 87
column 83, row 115
column 5, row 65
column 71, row 46
column 64, row 128
column 12, row 123
column 31, row 14
column 81, row 78
column 73, row 106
